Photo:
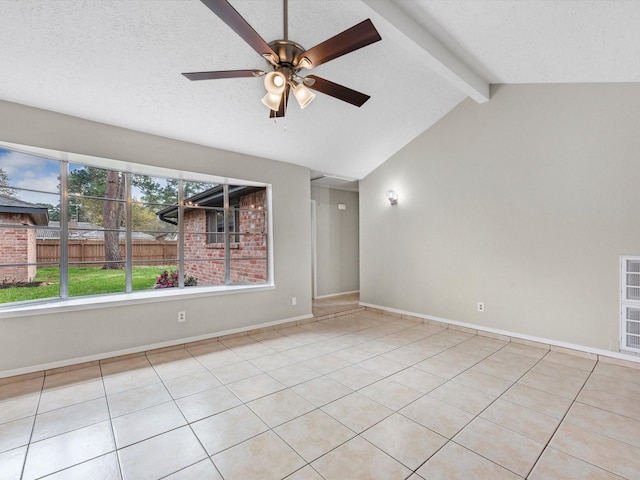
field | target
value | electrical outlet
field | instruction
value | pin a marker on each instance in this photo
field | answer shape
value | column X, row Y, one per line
column 294, row 301
column 480, row 307
column 182, row 316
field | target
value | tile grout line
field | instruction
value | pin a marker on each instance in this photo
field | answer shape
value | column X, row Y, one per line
column 33, row 427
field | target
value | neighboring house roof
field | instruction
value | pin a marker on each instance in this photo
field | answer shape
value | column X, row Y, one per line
column 84, row 231
column 39, row 215
column 214, row 197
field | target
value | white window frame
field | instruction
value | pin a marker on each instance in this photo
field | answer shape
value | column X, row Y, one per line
column 140, row 296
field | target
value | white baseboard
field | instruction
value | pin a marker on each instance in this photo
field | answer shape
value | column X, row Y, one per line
column 145, row 348
column 547, row 341
column 337, row 294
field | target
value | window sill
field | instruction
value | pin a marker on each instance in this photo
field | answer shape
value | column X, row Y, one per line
column 123, row 299
column 235, row 246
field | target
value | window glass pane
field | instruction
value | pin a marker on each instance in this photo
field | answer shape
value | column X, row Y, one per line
column 92, row 279
column 206, row 272
column 94, row 240
column 215, row 225
column 44, row 284
column 248, row 271
column 202, row 260
column 153, row 248
column 154, row 190
column 154, row 218
column 20, row 253
column 150, row 275
column 24, row 219
column 21, row 172
column 201, row 193
column 249, row 260
column 85, row 181
column 29, row 208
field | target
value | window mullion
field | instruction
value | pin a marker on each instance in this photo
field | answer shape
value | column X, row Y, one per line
column 64, row 229
column 227, row 237
column 128, row 234
column 180, row 234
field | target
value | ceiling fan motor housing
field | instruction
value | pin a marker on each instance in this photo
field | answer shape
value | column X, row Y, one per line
column 287, row 52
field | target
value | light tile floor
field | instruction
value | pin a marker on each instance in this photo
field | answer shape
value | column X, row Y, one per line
column 360, row 396
column 337, row 304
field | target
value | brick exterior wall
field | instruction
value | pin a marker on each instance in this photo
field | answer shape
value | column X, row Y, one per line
column 248, row 255
column 18, row 245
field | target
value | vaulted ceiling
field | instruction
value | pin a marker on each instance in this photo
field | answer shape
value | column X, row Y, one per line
column 120, row 62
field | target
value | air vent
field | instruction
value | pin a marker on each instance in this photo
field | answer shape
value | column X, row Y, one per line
column 630, row 303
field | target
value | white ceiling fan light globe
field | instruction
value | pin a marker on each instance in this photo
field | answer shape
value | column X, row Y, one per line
column 272, row 101
column 275, row 82
column 303, row 95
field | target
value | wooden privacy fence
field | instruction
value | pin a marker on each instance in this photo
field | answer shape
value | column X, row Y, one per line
column 145, row 252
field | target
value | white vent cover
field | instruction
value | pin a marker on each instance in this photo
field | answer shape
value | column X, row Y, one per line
column 630, row 303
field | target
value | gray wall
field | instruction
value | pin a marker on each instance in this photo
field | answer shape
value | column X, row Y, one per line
column 27, row 341
column 337, row 241
column 524, row 203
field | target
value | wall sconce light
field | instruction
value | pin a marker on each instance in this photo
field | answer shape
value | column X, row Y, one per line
column 392, row 197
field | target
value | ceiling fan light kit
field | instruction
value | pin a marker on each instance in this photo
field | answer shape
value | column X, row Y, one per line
column 286, row 59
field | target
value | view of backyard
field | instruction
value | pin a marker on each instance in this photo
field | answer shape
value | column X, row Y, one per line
column 82, row 281
column 216, row 232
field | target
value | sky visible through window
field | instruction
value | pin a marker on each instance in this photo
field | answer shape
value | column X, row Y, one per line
column 37, row 173
column 28, row 171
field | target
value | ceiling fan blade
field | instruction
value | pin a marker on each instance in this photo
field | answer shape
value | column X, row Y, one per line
column 223, row 74
column 338, row 91
column 238, row 24
column 283, row 105
column 353, row 38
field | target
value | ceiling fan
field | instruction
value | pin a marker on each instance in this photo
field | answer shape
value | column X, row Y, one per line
column 287, row 59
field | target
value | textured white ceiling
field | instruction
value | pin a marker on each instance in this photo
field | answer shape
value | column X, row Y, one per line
column 541, row 41
column 119, row 62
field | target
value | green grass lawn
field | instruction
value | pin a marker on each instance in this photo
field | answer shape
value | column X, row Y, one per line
column 82, row 281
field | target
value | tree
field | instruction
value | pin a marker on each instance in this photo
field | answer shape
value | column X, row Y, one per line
column 112, row 212
column 88, row 182
column 145, row 219
column 5, row 182
column 106, row 209
column 155, row 192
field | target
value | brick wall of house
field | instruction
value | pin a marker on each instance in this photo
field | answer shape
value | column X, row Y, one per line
column 249, row 262
column 18, row 245
column 201, row 260
column 248, row 255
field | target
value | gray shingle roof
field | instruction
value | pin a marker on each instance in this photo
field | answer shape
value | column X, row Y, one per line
column 85, row 231
column 39, row 215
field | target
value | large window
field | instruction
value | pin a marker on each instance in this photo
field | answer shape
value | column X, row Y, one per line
column 70, row 229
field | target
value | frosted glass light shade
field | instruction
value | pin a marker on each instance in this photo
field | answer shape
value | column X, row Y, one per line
column 275, row 82
column 272, row 101
column 303, row 95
